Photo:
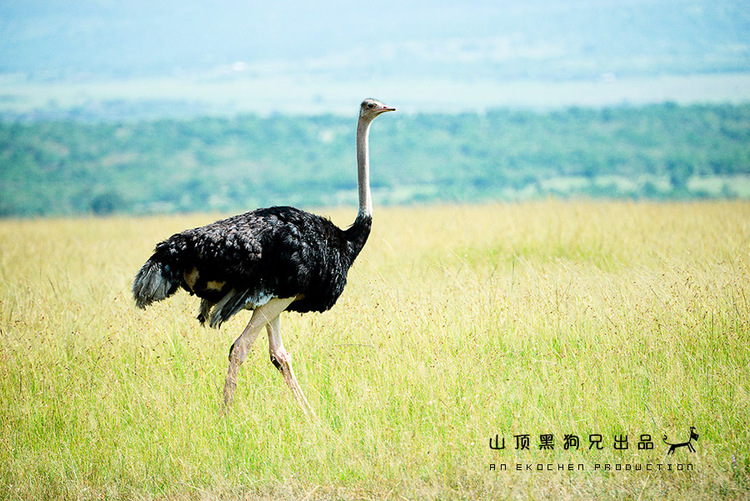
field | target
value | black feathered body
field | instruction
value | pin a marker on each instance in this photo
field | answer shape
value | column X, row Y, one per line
column 243, row 261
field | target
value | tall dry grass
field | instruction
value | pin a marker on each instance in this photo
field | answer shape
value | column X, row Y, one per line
column 458, row 324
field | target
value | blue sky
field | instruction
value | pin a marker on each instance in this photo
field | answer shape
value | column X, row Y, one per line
column 400, row 47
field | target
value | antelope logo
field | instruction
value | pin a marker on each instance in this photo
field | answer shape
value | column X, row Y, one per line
column 688, row 444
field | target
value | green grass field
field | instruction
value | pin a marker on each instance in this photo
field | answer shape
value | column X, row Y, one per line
column 459, row 325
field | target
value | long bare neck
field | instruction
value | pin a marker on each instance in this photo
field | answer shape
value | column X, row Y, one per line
column 363, row 168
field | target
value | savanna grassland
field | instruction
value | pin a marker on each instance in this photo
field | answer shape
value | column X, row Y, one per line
column 460, row 324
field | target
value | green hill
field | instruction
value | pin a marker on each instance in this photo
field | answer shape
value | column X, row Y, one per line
column 230, row 164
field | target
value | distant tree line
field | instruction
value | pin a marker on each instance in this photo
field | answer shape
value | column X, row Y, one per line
column 661, row 151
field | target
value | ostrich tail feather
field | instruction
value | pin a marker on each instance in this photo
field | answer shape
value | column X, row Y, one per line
column 154, row 282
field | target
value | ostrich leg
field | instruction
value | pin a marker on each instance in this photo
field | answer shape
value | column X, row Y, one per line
column 241, row 347
column 283, row 361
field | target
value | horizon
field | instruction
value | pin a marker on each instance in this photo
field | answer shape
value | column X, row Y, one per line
column 234, row 58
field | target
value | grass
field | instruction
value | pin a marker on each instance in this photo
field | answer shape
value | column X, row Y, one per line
column 458, row 324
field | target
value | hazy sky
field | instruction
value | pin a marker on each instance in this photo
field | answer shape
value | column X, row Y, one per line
column 392, row 44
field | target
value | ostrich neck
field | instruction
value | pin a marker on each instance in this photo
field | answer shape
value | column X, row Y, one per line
column 363, row 169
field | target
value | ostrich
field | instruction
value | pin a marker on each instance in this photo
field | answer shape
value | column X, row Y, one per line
column 268, row 260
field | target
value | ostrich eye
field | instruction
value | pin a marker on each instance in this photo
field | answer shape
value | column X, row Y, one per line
column 370, row 105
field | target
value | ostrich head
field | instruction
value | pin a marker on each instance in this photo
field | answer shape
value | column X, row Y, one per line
column 372, row 108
